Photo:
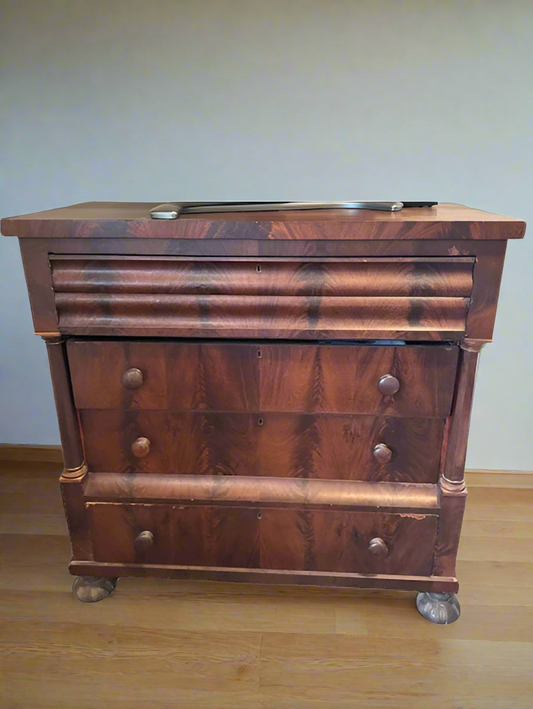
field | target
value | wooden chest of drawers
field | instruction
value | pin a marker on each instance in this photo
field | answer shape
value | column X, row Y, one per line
column 270, row 397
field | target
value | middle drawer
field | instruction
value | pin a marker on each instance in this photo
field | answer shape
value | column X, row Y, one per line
column 322, row 446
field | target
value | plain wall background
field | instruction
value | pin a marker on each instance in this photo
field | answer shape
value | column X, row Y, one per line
column 133, row 100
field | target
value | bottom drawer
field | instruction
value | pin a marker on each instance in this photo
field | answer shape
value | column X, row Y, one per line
column 270, row 538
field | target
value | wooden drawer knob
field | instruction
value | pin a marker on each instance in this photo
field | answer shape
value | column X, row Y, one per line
column 378, row 547
column 143, row 541
column 382, row 453
column 141, row 447
column 388, row 385
column 132, row 378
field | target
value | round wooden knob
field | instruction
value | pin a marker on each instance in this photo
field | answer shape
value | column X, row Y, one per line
column 378, row 547
column 141, row 447
column 143, row 541
column 132, row 378
column 382, row 453
column 388, row 385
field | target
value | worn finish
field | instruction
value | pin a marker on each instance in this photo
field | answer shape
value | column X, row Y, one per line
column 264, row 538
column 272, row 492
column 227, row 645
column 198, row 446
column 263, row 297
column 126, row 220
column 66, row 412
column 298, row 317
column 394, row 276
column 35, row 257
column 265, row 377
column 454, row 462
column 271, row 444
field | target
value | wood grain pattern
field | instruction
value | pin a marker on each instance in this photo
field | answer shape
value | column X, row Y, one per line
column 264, row 377
column 127, row 220
column 324, row 579
column 69, row 428
column 457, row 438
column 28, row 453
column 241, row 646
column 407, row 276
column 488, row 272
column 272, row 445
column 272, row 492
column 72, row 494
column 291, row 317
column 338, row 378
column 35, row 256
column 301, row 540
column 266, row 298
column 449, row 531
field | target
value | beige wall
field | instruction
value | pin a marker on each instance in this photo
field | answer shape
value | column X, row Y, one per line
column 139, row 100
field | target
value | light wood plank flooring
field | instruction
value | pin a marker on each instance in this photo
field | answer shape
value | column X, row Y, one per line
column 179, row 644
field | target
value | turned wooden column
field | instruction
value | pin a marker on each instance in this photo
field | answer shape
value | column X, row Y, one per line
column 75, row 469
column 453, row 473
column 69, row 427
column 452, row 485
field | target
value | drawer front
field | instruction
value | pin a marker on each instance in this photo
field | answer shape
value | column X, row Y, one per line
column 268, row 538
column 274, row 445
column 385, row 297
column 263, row 377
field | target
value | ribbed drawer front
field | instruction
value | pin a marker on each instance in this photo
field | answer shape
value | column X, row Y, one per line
column 426, row 297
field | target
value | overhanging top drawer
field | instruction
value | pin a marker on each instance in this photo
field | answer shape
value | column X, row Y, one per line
column 380, row 276
column 426, row 297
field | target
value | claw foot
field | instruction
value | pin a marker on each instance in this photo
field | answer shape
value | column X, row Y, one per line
column 90, row 589
column 441, row 608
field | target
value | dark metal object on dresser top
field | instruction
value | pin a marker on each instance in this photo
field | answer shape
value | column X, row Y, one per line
column 274, row 396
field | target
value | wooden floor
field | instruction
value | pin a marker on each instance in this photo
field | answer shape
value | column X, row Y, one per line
column 188, row 644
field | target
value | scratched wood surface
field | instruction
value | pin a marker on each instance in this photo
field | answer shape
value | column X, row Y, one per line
column 36, row 254
column 123, row 219
column 243, row 295
column 257, row 316
column 166, row 643
column 423, row 276
column 264, row 538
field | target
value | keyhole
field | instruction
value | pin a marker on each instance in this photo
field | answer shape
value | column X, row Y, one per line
column 259, row 515
column 260, row 422
column 259, row 354
column 258, row 268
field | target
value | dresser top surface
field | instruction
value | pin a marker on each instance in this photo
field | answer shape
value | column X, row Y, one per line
column 132, row 219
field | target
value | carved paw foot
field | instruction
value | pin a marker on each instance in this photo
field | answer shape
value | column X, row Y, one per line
column 441, row 608
column 90, row 589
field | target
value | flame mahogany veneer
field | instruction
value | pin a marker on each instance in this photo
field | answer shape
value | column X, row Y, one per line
column 265, row 397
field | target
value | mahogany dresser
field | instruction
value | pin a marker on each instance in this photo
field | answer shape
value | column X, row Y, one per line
column 271, row 397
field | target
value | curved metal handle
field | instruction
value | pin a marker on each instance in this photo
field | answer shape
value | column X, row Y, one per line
column 165, row 211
